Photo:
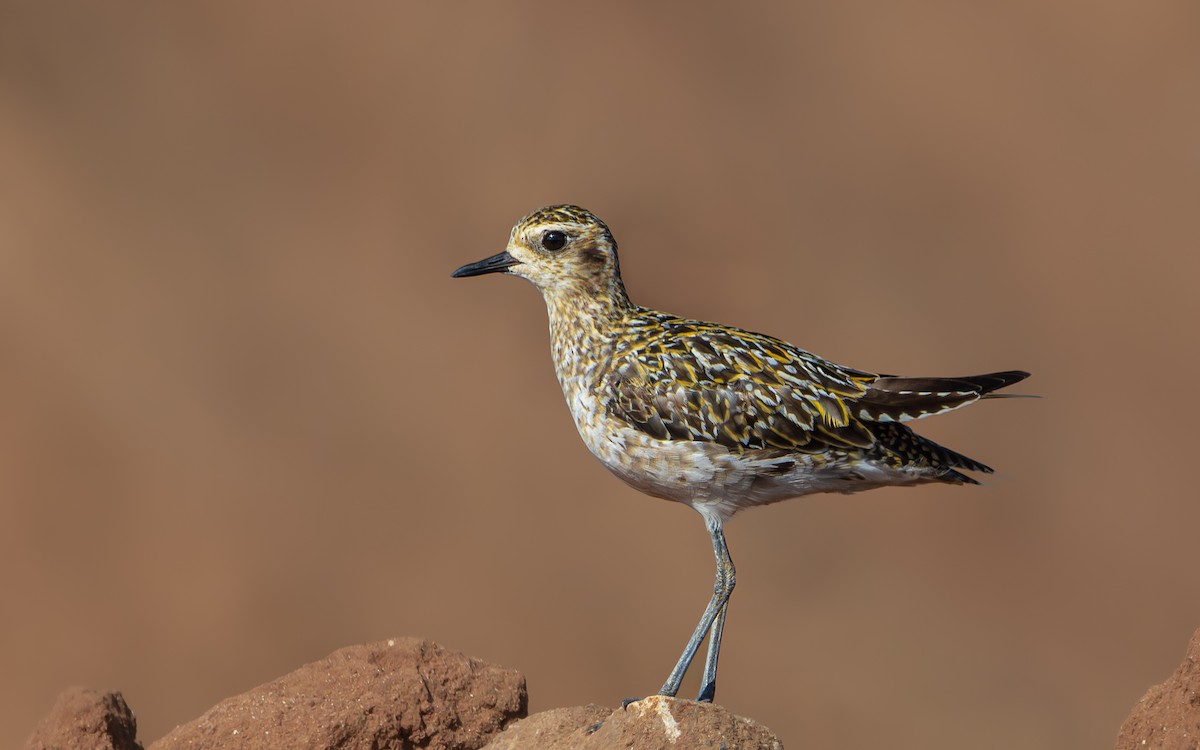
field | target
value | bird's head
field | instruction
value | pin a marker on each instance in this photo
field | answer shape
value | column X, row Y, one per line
column 561, row 250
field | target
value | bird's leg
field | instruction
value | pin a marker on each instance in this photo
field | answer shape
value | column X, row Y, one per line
column 714, row 614
column 708, row 683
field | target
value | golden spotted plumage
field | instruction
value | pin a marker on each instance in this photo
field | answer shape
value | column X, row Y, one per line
column 713, row 416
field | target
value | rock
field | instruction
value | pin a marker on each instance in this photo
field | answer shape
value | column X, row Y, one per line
column 649, row 724
column 402, row 693
column 86, row 719
column 558, row 727
column 1168, row 715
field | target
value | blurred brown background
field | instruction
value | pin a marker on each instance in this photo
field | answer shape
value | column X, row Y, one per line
column 248, row 418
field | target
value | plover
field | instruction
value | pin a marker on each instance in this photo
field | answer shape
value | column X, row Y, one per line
column 716, row 417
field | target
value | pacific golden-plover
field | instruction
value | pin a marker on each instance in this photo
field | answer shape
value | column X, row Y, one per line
column 715, row 417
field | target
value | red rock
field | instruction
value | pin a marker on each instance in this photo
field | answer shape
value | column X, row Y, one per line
column 84, row 719
column 1168, row 715
column 402, row 693
column 653, row 723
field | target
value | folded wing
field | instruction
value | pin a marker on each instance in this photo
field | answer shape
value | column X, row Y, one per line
column 745, row 391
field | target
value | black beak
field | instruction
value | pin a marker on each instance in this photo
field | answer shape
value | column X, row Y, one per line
column 498, row 262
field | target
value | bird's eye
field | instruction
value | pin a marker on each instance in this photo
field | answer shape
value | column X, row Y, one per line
column 554, row 241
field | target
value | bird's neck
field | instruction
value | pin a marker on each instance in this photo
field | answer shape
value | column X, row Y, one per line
column 584, row 326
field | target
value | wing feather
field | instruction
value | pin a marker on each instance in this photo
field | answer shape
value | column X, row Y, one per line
column 682, row 380
column 678, row 379
column 895, row 399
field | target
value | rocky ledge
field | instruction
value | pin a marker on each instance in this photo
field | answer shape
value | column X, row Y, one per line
column 413, row 693
column 401, row 693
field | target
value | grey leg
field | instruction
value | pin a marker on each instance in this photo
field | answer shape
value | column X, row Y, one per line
column 714, row 615
column 708, row 684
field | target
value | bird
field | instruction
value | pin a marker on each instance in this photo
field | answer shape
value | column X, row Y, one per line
column 715, row 417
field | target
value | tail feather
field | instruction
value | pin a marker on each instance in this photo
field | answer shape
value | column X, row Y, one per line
column 904, row 448
column 898, row 399
column 956, row 477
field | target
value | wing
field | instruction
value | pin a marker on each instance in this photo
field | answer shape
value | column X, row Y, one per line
column 684, row 380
